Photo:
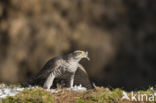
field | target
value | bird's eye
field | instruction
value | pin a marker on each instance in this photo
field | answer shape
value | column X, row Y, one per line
column 79, row 53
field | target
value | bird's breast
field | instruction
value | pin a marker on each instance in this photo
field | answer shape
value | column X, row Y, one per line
column 71, row 67
column 65, row 68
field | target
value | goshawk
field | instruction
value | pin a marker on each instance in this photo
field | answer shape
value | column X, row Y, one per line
column 63, row 68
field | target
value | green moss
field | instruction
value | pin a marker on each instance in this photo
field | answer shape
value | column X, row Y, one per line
column 84, row 101
column 114, row 96
column 100, row 95
column 36, row 95
column 80, row 101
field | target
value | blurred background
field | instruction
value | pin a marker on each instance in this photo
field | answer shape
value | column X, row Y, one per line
column 120, row 36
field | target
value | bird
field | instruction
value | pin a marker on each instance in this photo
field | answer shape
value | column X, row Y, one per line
column 65, row 69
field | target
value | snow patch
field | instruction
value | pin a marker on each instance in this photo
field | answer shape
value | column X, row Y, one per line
column 7, row 91
column 4, row 92
column 77, row 88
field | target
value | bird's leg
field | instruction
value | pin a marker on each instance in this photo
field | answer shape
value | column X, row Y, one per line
column 72, row 80
column 49, row 81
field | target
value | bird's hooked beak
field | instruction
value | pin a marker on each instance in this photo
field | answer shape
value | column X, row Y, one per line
column 83, row 54
column 86, row 55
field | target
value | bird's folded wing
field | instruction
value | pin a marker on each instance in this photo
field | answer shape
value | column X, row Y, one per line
column 81, row 77
column 40, row 78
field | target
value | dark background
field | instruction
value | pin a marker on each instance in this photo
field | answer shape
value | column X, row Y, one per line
column 120, row 36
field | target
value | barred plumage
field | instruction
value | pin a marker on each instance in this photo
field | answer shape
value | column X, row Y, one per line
column 65, row 69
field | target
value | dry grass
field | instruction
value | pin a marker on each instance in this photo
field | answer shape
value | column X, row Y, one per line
column 98, row 95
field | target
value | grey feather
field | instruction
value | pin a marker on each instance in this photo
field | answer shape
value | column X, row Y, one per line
column 63, row 68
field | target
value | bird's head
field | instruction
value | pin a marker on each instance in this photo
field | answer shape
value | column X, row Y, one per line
column 79, row 54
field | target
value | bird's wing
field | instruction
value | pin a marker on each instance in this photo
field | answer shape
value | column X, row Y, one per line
column 81, row 77
column 49, row 67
